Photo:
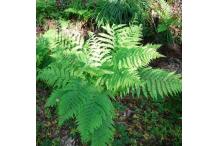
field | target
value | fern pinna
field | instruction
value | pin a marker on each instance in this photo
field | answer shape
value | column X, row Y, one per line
column 88, row 75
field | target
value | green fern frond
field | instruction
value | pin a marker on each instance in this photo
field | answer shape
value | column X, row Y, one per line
column 98, row 53
column 135, row 57
column 120, row 81
column 117, row 12
column 70, row 103
column 165, row 12
column 103, row 136
column 91, row 116
column 91, row 107
column 74, row 39
column 80, row 12
column 120, row 36
column 121, row 39
column 54, row 98
column 51, row 36
column 129, row 36
column 63, row 39
column 42, row 52
column 55, row 75
column 160, row 83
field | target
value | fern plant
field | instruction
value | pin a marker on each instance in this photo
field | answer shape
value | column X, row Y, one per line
column 107, row 11
column 87, row 76
column 167, row 20
column 45, row 9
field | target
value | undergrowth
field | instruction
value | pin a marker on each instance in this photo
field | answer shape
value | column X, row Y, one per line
column 160, row 23
column 86, row 76
column 100, row 87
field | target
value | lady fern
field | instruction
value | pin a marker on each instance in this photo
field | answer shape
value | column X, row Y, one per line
column 86, row 80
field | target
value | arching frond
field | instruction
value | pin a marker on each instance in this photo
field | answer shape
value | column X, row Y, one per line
column 160, row 83
column 135, row 57
column 91, row 107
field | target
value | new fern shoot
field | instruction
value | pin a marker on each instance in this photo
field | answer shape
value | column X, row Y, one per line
column 86, row 76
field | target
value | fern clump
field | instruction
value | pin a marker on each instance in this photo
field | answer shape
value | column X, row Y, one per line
column 164, row 21
column 86, row 76
column 107, row 11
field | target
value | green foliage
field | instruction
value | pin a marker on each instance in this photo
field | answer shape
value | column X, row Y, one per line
column 50, row 10
column 103, row 12
column 42, row 52
column 118, row 12
column 167, row 20
column 45, row 9
column 124, row 139
column 107, row 11
column 86, row 76
column 150, row 122
column 166, row 116
column 80, row 9
column 160, row 83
